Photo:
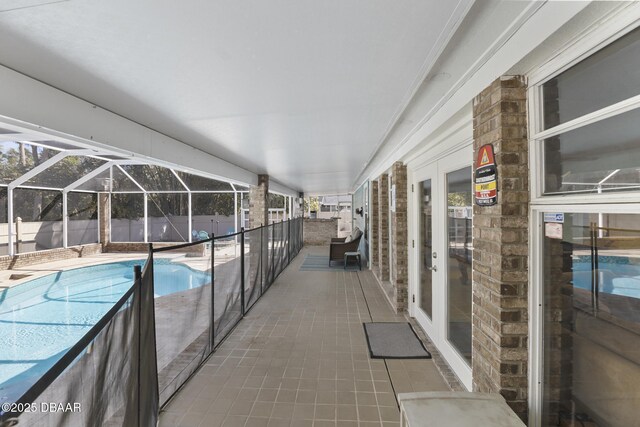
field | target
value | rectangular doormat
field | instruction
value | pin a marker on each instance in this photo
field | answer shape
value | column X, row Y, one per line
column 320, row 263
column 394, row 340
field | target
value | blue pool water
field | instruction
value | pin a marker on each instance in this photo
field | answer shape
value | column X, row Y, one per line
column 618, row 275
column 42, row 318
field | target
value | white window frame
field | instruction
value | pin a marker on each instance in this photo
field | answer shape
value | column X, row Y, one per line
column 612, row 27
column 624, row 21
column 536, row 292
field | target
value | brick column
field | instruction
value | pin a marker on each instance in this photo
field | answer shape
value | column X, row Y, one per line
column 375, row 235
column 558, row 324
column 500, row 297
column 104, row 221
column 400, row 274
column 383, row 227
column 258, row 202
column 259, row 215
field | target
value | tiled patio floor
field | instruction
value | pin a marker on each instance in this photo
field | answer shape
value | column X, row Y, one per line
column 300, row 358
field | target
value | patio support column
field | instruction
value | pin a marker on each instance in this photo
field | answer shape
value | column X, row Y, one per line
column 104, row 220
column 383, row 227
column 399, row 245
column 500, row 241
column 375, row 232
column 258, row 206
column 258, row 215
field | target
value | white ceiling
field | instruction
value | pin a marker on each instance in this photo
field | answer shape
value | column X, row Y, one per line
column 304, row 90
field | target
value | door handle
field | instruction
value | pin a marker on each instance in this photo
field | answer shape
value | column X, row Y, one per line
column 434, row 268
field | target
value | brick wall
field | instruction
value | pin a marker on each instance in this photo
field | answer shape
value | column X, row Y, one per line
column 258, row 216
column 319, row 231
column 399, row 248
column 383, row 227
column 559, row 327
column 8, row 262
column 375, row 232
column 500, row 315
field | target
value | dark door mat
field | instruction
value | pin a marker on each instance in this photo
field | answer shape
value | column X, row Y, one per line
column 394, row 340
column 319, row 263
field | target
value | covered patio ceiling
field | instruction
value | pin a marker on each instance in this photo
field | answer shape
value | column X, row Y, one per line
column 305, row 91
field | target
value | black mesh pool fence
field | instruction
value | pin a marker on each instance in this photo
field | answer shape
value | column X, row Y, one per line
column 108, row 378
column 181, row 306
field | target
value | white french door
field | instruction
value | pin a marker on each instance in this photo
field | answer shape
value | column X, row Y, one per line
column 441, row 205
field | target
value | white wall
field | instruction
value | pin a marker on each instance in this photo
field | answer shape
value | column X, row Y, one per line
column 48, row 234
column 174, row 230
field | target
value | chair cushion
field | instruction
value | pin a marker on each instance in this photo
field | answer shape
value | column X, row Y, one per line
column 356, row 233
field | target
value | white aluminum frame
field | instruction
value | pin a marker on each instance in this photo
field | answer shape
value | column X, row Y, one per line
column 454, row 157
column 109, row 165
column 536, row 292
column 622, row 21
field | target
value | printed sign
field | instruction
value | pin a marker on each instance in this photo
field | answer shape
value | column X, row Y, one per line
column 486, row 177
column 554, row 217
column 553, row 230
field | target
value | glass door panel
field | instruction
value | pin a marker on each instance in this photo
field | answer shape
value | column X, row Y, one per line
column 459, row 257
column 426, row 247
column 591, row 288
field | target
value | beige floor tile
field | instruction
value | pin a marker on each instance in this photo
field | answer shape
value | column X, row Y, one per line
column 286, row 396
column 306, row 396
column 262, row 409
column 220, row 406
column 368, row 413
column 257, row 422
column 326, row 397
column 389, row 413
column 347, row 412
column 234, row 421
column 303, row 411
column 241, row 407
column 325, row 412
column 282, row 410
column 279, row 422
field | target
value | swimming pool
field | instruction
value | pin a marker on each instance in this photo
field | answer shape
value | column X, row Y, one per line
column 42, row 318
column 618, row 275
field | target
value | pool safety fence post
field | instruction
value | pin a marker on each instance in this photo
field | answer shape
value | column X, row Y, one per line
column 288, row 242
column 137, row 274
column 242, row 284
column 272, row 267
column 261, row 260
column 213, row 292
column 148, row 386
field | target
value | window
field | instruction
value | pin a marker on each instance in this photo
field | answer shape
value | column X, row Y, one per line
column 585, row 257
column 599, row 153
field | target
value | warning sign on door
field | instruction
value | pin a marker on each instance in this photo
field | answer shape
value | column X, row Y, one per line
column 486, row 177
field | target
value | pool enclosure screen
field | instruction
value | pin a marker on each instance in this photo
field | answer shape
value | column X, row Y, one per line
column 53, row 194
